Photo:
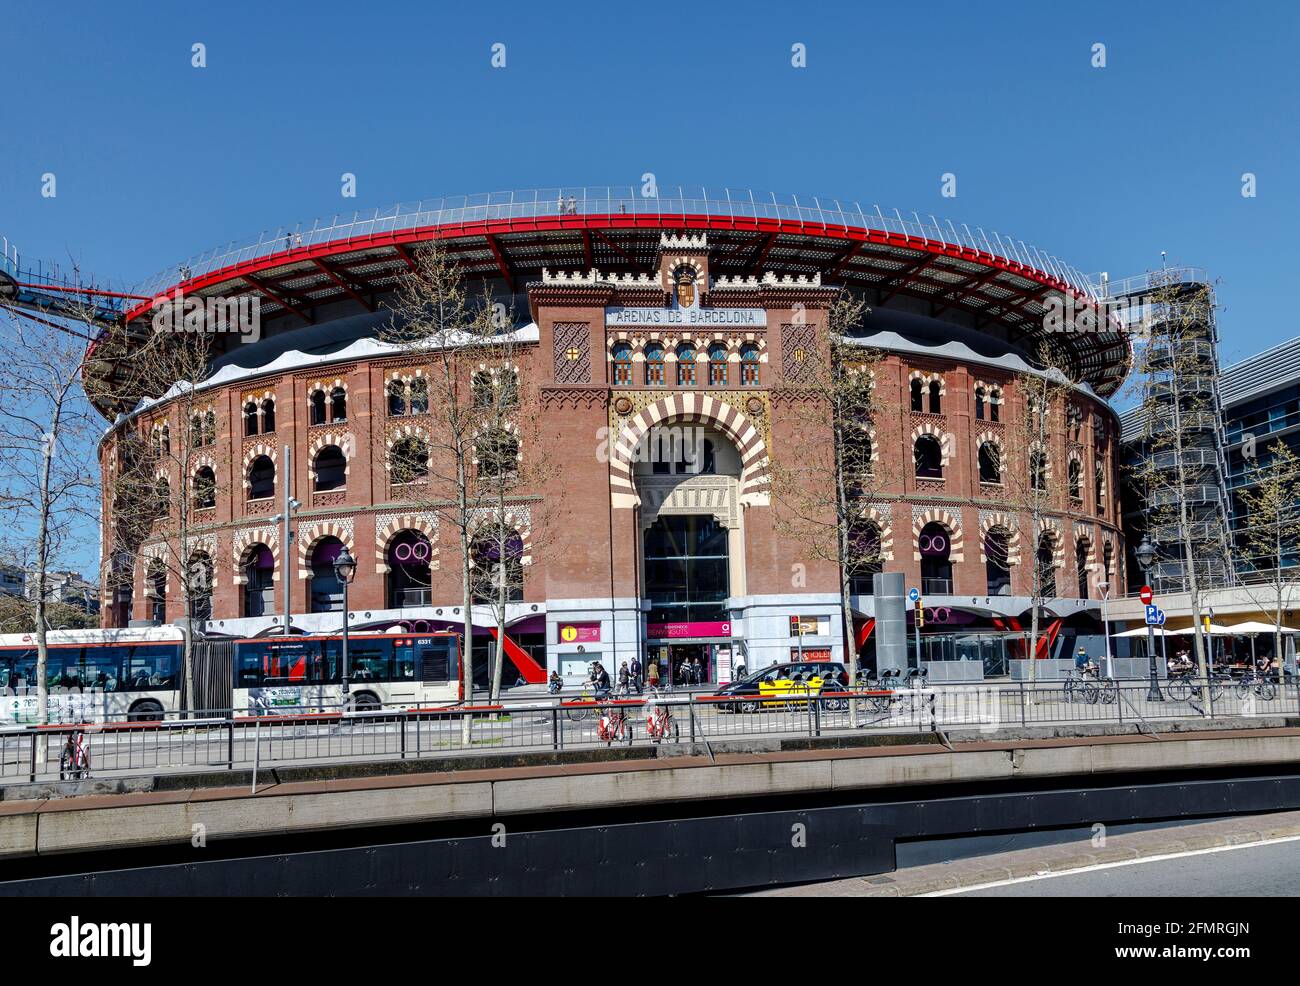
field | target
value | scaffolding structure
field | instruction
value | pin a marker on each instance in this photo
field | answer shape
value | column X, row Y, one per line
column 1174, row 439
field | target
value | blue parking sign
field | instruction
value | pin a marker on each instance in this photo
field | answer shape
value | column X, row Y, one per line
column 1155, row 616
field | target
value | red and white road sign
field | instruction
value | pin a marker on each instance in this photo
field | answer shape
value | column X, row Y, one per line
column 1146, row 595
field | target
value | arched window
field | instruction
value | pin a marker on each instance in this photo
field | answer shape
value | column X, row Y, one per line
column 1038, row 470
column 409, row 564
column 200, row 588
column 410, row 460
column 250, row 418
column 162, row 497
column 1076, row 479
column 749, row 365
column 997, row 561
column 317, row 401
column 934, row 544
column 498, row 569
column 261, row 478
column 1046, row 568
column 865, row 557
column 622, row 363
column 326, row 589
column 995, row 403
column 268, row 415
column 509, row 388
column 338, row 404
column 935, row 406
column 396, row 398
column 330, row 469
column 419, row 396
column 205, row 488
column 979, row 403
column 497, row 451
column 156, row 585
column 857, row 450
column 259, row 585
column 990, row 463
column 717, row 365
column 654, row 365
column 1081, row 566
column 686, row 365
column 917, row 397
column 928, row 454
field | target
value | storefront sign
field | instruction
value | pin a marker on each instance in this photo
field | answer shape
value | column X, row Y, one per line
column 579, row 633
column 754, row 318
column 678, row 631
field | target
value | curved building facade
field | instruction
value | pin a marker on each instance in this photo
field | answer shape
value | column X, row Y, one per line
column 633, row 324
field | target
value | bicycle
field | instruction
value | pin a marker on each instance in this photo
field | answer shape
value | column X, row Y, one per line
column 74, row 761
column 614, row 725
column 1080, row 687
column 660, row 724
column 1252, row 681
column 586, row 698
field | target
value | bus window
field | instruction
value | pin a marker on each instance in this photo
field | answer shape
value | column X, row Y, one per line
column 150, row 668
column 7, row 679
column 404, row 660
column 324, row 667
column 368, row 662
column 435, row 662
column 99, row 668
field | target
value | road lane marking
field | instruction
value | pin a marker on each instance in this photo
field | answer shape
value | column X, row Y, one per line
column 1094, row 867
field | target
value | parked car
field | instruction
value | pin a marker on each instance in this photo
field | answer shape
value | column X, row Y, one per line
column 786, row 684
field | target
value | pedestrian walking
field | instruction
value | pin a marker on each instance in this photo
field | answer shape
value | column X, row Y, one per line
column 652, row 674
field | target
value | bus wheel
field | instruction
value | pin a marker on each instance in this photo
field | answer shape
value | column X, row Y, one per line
column 146, row 711
column 366, row 702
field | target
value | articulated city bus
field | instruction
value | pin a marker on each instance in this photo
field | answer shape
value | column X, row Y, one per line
column 297, row 674
column 92, row 675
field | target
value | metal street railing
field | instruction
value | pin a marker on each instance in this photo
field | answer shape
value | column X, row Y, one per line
column 259, row 740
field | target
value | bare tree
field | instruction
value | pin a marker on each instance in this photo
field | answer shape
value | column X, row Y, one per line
column 431, row 462
column 1033, row 478
column 834, row 389
column 48, row 433
column 162, row 490
column 1272, row 533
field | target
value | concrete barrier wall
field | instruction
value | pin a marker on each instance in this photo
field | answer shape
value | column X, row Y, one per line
column 158, row 818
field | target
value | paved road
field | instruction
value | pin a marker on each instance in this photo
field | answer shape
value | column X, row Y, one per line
column 1271, row 870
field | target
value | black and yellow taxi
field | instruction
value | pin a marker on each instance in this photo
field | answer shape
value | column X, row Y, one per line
column 786, row 684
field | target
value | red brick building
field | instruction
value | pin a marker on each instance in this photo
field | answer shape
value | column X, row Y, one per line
column 637, row 325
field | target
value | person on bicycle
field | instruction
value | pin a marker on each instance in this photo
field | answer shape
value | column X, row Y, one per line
column 1083, row 663
column 600, row 680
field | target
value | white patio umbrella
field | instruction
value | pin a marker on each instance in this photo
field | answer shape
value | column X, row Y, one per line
column 1142, row 632
column 1259, row 626
column 1214, row 630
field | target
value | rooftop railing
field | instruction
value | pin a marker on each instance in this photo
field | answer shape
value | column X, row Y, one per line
column 713, row 203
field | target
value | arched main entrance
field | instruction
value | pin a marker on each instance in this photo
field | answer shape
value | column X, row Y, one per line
column 688, row 479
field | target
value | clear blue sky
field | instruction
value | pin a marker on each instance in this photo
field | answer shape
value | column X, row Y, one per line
column 1106, row 167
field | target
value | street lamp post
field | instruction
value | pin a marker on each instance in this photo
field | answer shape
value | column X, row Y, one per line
column 345, row 566
column 1104, row 586
column 1146, row 556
